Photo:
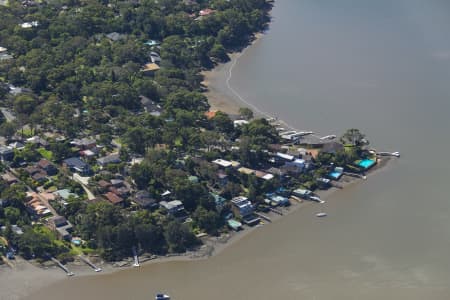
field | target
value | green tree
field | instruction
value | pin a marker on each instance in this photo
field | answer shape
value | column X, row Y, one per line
column 209, row 221
column 179, row 237
column 246, row 113
column 354, row 137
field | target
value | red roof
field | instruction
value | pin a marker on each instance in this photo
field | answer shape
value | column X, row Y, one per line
column 113, row 198
column 210, row 114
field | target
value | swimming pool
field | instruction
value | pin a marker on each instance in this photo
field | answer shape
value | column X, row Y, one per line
column 366, row 163
column 335, row 175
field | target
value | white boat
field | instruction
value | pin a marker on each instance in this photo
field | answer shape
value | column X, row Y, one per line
column 328, row 137
column 321, row 214
column 162, row 297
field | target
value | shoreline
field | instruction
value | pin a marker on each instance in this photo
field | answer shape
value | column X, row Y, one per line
column 21, row 281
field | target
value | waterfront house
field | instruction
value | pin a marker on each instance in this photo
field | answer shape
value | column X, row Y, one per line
column 61, row 226
column 244, row 209
column 332, row 147
column 277, row 200
column 242, row 206
column 323, row 183
column 302, row 193
column 77, row 165
column 239, row 123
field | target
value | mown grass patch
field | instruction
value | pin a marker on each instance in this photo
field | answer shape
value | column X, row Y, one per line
column 47, row 154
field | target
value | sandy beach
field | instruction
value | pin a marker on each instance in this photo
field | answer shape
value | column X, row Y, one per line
column 217, row 80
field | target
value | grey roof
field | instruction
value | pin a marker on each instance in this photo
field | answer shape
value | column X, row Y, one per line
column 5, row 150
column 110, row 159
column 75, row 162
column 332, row 147
column 115, row 36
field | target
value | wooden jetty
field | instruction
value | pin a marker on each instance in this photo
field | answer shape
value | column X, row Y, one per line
column 262, row 216
column 59, row 264
column 89, row 263
column 396, row 153
column 276, row 211
column 135, row 256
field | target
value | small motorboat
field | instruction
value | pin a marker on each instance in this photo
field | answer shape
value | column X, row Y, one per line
column 162, row 297
column 321, row 214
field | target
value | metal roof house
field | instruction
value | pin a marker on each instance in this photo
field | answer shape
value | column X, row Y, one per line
column 77, row 165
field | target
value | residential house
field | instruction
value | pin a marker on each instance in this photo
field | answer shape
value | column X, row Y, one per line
column 332, row 147
column 155, row 58
column 206, row 12
column 150, row 69
column 323, row 183
column 37, row 140
column 47, row 166
column 302, row 193
column 222, row 178
column 6, row 153
column 226, row 164
column 152, row 43
column 64, row 195
column 219, row 201
column 77, row 165
column 103, row 185
column 244, row 209
column 277, row 200
column 114, row 199
column 144, row 200
column 109, row 159
column 9, row 178
column 151, row 106
column 174, row 208
column 84, row 143
column 17, row 145
column 61, row 226
column 36, row 206
column 115, row 36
